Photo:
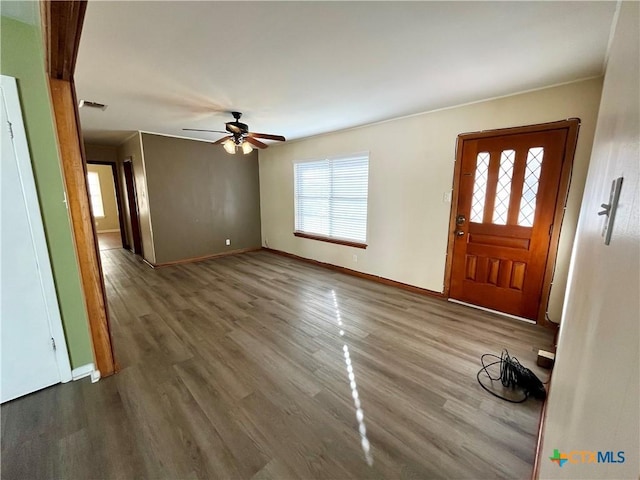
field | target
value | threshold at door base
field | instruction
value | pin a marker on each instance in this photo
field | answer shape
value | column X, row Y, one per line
column 502, row 314
column 85, row 371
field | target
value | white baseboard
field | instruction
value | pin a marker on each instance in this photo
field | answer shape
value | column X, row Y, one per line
column 113, row 230
column 85, row 371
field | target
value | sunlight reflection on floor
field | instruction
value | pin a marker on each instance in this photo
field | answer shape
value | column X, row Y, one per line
column 364, row 441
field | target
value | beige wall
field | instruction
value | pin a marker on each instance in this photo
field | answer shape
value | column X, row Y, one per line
column 101, row 153
column 594, row 394
column 410, row 169
column 110, row 221
column 200, row 196
column 132, row 148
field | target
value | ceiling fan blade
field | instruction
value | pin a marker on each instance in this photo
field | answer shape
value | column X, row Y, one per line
column 266, row 136
column 218, row 142
column 255, row 142
column 201, row 130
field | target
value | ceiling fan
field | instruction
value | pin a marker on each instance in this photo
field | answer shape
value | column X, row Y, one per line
column 240, row 136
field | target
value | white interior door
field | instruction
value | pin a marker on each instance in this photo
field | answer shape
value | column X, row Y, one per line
column 34, row 353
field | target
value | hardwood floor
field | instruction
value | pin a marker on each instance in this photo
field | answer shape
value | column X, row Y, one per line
column 260, row 366
column 109, row 240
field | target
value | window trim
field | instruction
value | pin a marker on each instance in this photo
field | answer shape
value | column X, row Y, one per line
column 326, row 238
column 322, row 238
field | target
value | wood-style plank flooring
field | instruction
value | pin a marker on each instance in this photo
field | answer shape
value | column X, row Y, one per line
column 109, row 240
column 258, row 366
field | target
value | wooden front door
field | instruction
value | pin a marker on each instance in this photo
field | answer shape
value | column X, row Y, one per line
column 508, row 189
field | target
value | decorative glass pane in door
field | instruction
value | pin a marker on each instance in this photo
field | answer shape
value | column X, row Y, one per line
column 530, row 187
column 503, row 188
column 479, row 187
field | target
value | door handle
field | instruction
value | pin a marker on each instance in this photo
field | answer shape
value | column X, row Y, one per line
column 459, row 233
column 460, row 219
column 607, row 209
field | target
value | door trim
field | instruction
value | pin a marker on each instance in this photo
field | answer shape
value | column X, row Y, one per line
column 134, row 211
column 572, row 125
column 86, row 242
column 62, row 26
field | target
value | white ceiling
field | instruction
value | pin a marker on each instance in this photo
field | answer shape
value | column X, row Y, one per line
column 304, row 68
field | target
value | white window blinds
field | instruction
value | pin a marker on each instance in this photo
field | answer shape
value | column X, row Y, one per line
column 331, row 197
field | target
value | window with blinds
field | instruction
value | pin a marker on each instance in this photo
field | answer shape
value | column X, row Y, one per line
column 331, row 197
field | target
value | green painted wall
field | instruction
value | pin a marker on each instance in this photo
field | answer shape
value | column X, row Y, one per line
column 22, row 57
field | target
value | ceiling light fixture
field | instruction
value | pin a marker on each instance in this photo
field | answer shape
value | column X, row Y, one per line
column 246, row 147
column 230, row 146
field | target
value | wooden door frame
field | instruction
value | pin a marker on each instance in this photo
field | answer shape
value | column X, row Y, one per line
column 133, row 206
column 61, row 26
column 572, row 125
column 116, row 183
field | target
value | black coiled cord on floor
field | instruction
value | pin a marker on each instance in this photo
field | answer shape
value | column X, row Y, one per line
column 512, row 375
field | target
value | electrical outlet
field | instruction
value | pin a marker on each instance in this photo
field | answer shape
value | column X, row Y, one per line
column 227, row 242
column 355, row 258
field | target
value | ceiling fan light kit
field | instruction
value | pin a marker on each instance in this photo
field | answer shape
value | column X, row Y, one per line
column 240, row 136
column 247, row 148
column 230, row 146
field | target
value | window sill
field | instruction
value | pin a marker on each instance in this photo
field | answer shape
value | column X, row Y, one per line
column 320, row 238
